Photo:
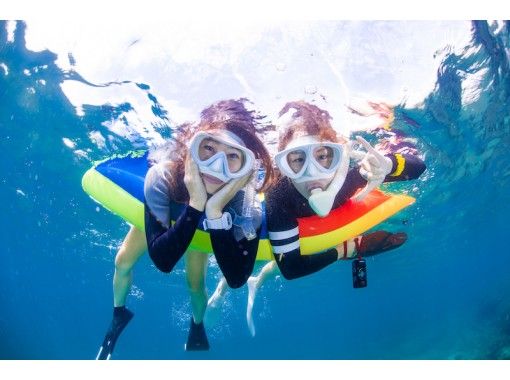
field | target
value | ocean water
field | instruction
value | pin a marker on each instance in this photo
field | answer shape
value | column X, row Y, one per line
column 69, row 97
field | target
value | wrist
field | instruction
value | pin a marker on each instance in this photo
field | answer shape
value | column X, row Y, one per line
column 224, row 222
column 197, row 205
column 213, row 213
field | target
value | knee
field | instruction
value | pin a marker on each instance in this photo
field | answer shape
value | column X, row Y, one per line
column 123, row 262
column 195, row 284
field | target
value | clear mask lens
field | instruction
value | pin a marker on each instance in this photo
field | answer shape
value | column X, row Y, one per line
column 324, row 156
column 296, row 160
column 320, row 159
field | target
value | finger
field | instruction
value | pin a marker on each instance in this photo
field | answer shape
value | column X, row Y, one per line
column 357, row 155
column 193, row 168
column 366, row 166
column 369, row 148
column 243, row 181
column 250, row 176
column 373, row 161
column 368, row 176
column 371, row 185
column 187, row 164
column 233, row 185
column 364, row 173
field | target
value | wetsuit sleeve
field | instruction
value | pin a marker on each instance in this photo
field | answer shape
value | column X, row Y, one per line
column 284, row 237
column 405, row 167
column 235, row 258
column 167, row 245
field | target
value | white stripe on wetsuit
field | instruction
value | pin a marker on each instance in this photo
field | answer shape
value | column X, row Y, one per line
column 280, row 235
column 286, row 248
column 284, row 241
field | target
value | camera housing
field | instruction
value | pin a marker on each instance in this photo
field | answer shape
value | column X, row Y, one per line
column 359, row 273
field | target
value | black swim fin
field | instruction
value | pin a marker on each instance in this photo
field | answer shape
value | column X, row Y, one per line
column 121, row 317
column 197, row 338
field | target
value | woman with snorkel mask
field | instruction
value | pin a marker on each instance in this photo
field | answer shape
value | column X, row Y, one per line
column 206, row 176
column 195, row 180
column 314, row 178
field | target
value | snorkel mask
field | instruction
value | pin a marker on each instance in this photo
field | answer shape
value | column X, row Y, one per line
column 306, row 159
column 216, row 165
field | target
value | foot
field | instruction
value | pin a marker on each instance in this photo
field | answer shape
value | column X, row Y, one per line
column 197, row 338
column 121, row 317
column 252, row 293
column 214, row 306
column 213, row 311
column 380, row 241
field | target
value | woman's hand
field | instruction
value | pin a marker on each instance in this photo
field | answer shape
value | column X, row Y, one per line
column 215, row 204
column 194, row 184
column 374, row 167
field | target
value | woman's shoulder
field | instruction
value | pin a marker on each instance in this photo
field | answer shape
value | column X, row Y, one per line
column 157, row 193
column 157, row 183
column 157, row 175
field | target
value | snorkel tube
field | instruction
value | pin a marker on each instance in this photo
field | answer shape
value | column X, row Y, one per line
column 247, row 221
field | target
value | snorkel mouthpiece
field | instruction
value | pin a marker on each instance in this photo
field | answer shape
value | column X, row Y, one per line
column 321, row 202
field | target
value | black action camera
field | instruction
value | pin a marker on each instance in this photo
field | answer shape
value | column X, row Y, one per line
column 359, row 273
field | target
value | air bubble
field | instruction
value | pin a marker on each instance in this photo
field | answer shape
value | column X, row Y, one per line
column 68, row 142
column 310, row 90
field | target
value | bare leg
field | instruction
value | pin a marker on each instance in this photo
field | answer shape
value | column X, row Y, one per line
column 270, row 270
column 132, row 248
column 215, row 302
column 219, row 293
column 254, row 283
column 196, row 270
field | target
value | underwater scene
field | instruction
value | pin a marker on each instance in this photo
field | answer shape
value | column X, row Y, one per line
column 73, row 94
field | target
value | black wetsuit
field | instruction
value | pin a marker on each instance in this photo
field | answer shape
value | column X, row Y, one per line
column 284, row 205
column 168, row 243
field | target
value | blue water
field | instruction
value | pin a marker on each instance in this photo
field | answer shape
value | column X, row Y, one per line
column 443, row 295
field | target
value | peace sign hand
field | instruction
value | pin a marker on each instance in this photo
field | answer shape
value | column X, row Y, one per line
column 374, row 167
